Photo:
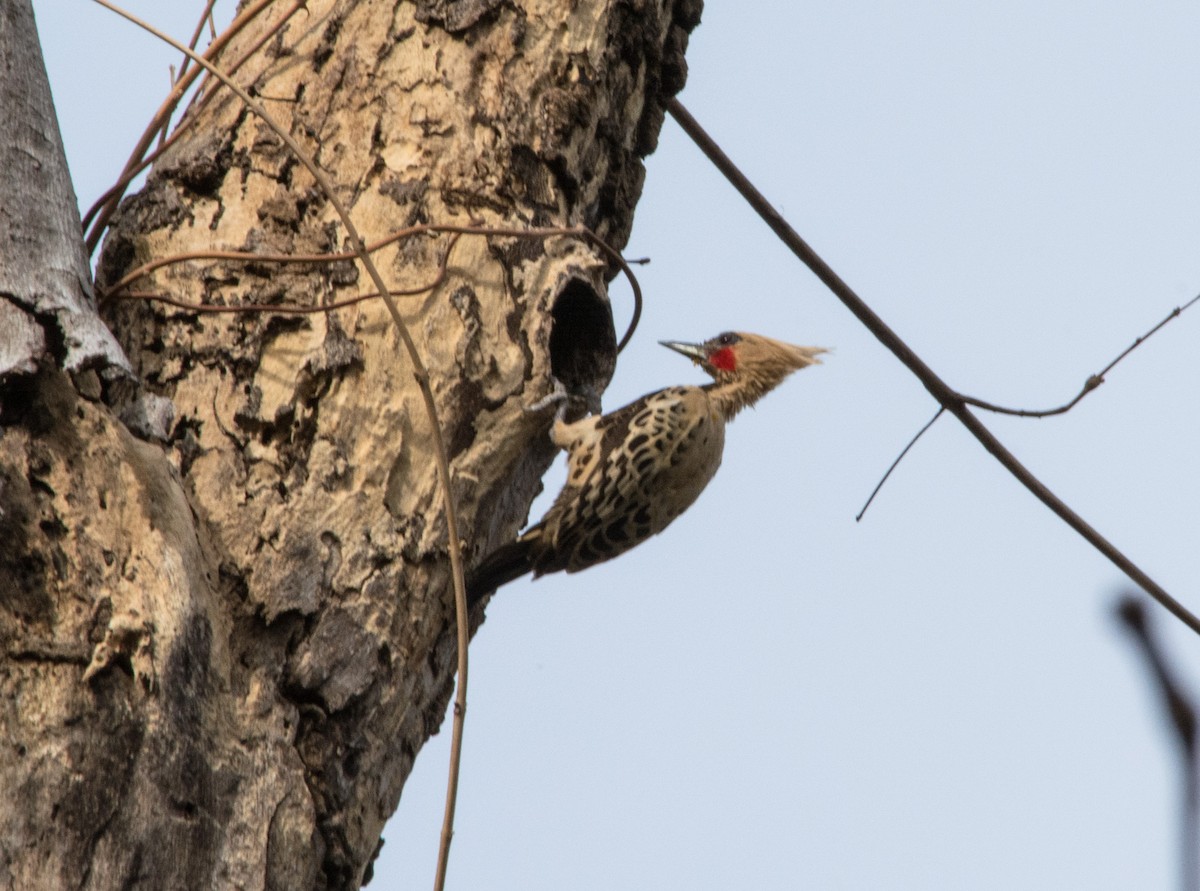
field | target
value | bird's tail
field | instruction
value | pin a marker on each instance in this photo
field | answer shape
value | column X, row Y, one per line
column 503, row 565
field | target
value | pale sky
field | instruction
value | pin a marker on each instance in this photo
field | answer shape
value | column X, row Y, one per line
column 773, row 696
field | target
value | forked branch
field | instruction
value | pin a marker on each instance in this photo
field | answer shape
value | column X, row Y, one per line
column 947, row 397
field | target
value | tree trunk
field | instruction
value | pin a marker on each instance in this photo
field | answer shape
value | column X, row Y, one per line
column 227, row 621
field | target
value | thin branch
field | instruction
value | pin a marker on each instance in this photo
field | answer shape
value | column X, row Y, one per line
column 206, row 15
column 120, row 290
column 117, row 287
column 946, row 397
column 421, row 375
column 1090, row 384
column 107, row 203
column 202, row 93
column 291, row 308
column 104, row 208
column 912, row 442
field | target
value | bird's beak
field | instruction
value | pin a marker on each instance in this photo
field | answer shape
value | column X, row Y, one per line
column 693, row 351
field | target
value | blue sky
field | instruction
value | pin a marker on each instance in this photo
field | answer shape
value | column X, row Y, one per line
column 771, row 695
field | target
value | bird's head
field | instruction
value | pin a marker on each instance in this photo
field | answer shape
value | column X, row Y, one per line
column 733, row 354
column 747, row 365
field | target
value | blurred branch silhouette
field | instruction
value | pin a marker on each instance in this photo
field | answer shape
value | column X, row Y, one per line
column 1181, row 718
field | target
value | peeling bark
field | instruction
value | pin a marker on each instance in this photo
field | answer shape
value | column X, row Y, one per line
column 227, row 626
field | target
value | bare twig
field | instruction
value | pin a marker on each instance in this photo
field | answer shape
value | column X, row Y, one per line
column 912, row 442
column 1090, row 384
column 942, row 392
column 291, row 308
column 1181, row 715
column 101, row 212
column 206, row 15
column 107, row 202
column 203, row 93
column 118, row 287
column 119, row 290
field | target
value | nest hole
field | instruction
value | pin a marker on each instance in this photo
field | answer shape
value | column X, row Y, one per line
column 583, row 341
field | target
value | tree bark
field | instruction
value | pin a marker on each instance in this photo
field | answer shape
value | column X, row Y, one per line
column 227, row 622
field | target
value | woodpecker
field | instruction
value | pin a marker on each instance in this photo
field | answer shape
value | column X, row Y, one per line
column 632, row 471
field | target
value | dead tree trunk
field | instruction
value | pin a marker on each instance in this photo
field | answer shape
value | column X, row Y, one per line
column 226, row 626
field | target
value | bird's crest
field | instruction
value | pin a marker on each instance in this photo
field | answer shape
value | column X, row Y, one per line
column 745, row 367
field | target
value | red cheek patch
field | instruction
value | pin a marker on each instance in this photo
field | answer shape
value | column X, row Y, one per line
column 723, row 359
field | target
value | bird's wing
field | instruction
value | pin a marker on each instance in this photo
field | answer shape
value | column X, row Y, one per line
column 629, row 474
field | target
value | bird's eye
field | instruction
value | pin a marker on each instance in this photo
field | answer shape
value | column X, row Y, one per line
column 727, row 339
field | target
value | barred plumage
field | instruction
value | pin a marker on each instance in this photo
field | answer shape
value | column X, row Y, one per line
column 632, row 471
